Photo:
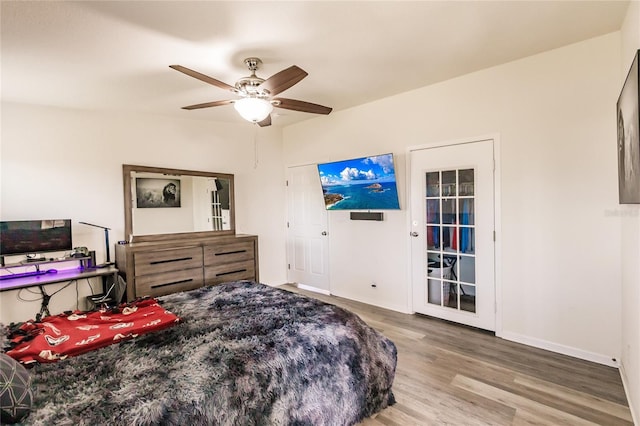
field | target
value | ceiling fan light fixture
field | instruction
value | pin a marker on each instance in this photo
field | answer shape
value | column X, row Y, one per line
column 253, row 109
column 257, row 94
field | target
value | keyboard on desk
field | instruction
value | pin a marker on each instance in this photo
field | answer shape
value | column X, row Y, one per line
column 27, row 274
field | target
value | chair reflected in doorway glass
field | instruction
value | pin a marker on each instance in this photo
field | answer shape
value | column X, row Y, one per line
column 441, row 272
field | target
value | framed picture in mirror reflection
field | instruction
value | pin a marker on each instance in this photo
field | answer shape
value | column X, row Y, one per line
column 157, row 193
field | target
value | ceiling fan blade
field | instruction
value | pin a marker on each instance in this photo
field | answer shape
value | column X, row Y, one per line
column 281, row 81
column 208, row 104
column 303, row 106
column 202, row 77
column 265, row 122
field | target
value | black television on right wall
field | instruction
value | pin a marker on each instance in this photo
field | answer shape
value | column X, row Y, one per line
column 365, row 183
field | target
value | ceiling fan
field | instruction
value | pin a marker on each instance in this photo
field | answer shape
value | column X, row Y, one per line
column 257, row 94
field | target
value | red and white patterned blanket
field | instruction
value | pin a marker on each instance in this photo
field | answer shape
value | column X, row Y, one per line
column 60, row 336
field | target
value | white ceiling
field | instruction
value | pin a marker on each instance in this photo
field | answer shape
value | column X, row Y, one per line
column 115, row 55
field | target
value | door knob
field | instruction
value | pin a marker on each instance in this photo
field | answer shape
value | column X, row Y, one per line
column 414, row 234
column 324, row 232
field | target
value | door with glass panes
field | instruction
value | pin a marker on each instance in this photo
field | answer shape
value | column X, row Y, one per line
column 452, row 229
column 219, row 214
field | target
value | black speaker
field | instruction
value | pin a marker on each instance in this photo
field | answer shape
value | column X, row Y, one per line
column 377, row 216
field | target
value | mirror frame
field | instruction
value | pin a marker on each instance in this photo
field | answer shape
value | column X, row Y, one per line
column 128, row 204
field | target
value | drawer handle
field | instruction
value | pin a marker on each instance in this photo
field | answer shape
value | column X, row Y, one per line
column 230, row 272
column 231, row 252
column 156, row 262
column 172, row 283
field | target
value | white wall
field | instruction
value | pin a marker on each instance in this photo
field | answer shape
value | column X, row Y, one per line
column 630, row 244
column 555, row 114
column 60, row 163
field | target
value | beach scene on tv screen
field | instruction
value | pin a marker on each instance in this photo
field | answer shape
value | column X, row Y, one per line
column 360, row 184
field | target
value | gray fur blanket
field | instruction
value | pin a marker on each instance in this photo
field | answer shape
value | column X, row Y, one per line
column 244, row 354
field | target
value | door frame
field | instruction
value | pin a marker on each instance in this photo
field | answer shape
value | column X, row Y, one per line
column 497, row 216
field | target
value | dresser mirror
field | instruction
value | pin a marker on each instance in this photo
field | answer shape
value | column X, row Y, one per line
column 162, row 203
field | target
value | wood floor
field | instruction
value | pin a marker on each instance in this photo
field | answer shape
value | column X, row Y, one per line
column 449, row 374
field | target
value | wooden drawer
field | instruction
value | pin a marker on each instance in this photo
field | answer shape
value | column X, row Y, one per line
column 220, row 254
column 243, row 270
column 168, row 282
column 164, row 266
column 157, row 261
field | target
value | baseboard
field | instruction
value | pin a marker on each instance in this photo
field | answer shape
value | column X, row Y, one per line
column 391, row 307
column 314, row 289
column 635, row 416
column 561, row 349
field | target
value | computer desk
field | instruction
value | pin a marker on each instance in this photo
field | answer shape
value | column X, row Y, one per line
column 64, row 275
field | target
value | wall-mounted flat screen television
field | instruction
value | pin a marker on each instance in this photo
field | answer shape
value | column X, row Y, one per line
column 366, row 183
column 35, row 236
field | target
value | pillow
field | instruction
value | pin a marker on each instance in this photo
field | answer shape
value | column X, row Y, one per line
column 16, row 396
column 73, row 333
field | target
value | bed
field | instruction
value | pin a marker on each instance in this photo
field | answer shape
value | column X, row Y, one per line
column 243, row 353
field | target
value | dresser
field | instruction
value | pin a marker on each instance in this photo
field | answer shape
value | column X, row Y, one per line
column 169, row 266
